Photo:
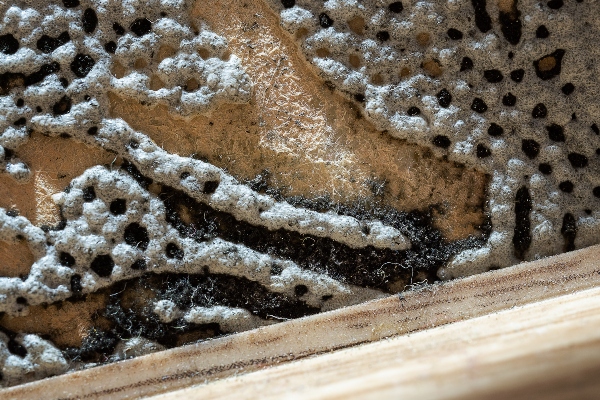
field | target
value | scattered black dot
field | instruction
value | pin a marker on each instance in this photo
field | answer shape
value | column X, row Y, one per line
column 20, row 103
column 288, row 3
column 466, row 64
column 517, row 75
column 555, row 4
column 103, row 265
column 66, row 259
column 89, row 194
column 210, row 187
column 482, row 151
column 173, row 251
column 119, row 30
column 118, row 206
column 92, row 130
column 71, row 3
column 568, row 88
column 383, row 36
column 444, row 98
column 542, row 32
column 90, row 20
column 62, row 106
column 359, row 97
column 577, row 160
column 495, row 129
column 20, row 122
column 595, row 129
column 47, row 44
column 136, row 235
column 493, row 75
column 556, row 133
column 530, row 147
column 479, row 105
column 549, row 66
column 82, row 65
column 455, row 34
column 509, row 99
column 300, row 290
column 76, row 287
column 139, row 265
column 441, row 141
column 141, row 26
column 110, row 47
column 539, row 111
column 545, row 169
column 8, row 44
column 596, row 192
column 413, row 111
column 325, row 21
column 396, row 7
column 566, row 186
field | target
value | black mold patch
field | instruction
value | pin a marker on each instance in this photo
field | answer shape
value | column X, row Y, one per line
column 82, row 65
column 89, row 194
column 556, row 133
column 444, row 98
column 62, row 106
column 510, row 24
column 569, row 231
column 47, row 44
column 325, row 21
column 103, row 265
column 141, row 27
column 135, row 173
column 577, row 160
column 136, row 236
column 522, row 233
column 118, row 206
column 550, row 73
column 483, row 21
column 89, row 20
column 466, row 64
column 8, row 44
column 94, row 347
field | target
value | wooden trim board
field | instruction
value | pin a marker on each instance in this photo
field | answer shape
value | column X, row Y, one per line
column 418, row 310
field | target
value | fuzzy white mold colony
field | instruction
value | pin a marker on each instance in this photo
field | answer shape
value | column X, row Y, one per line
column 509, row 87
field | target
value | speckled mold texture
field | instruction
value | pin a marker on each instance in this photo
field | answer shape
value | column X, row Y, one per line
column 166, row 249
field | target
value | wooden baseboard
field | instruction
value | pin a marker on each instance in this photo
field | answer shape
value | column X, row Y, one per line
column 564, row 278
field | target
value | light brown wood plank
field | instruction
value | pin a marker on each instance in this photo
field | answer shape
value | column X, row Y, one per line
column 428, row 307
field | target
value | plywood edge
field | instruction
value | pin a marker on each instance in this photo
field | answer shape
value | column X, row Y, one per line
column 424, row 308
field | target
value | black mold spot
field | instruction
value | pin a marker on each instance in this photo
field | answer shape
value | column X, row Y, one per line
column 569, row 231
column 556, row 133
column 542, row 32
column 21, row 300
column 396, row 7
column 522, row 233
column 210, row 187
column 71, row 3
column 139, row 265
column 479, row 105
column 359, row 97
column 94, row 347
column 510, row 24
column 530, row 147
column 288, row 3
column 596, row 192
column 76, row 287
column 90, row 20
column 66, row 259
column 8, row 44
column 493, row 75
column 517, row 75
column 184, row 175
column 63, row 82
column 482, row 151
column 300, row 290
column 383, row 36
column 482, row 18
column 577, row 160
column 63, row 106
column 16, row 348
column 566, row 186
column 20, row 103
column 47, row 44
column 89, row 194
column 549, row 73
column 118, row 206
column 135, row 173
column 20, row 122
column 454, row 34
column 141, row 26
column 82, row 65
column 539, row 111
column 441, row 141
column 555, row 4
column 545, row 168
column 595, row 129
column 119, row 30
column 103, row 265
column 495, row 129
column 509, row 99
column 173, row 251
column 444, row 98
column 413, row 111
column 136, row 236
column 110, row 47
column 325, row 21
column 92, row 130
column 466, row 64
column 276, row 269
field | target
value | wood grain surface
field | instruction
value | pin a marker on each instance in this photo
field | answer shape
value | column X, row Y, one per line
column 418, row 310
